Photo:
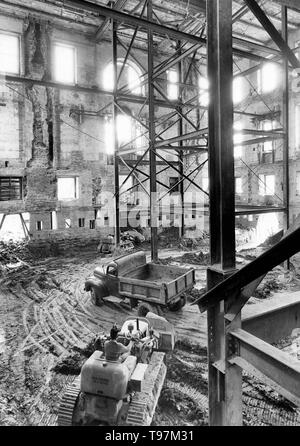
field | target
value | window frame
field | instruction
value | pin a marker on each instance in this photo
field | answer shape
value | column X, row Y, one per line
column 76, row 187
column 58, row 43
column 131, row 64
column 21, row 188
column 261, row 81
column 262, row 184
column 20, row 55
column 173, row 85
column 265, row 154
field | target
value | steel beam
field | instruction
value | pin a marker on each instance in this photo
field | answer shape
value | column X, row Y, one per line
column 180, row 173
column 119, row 4
column 198, row 168
column 134, row 167
column 275, row 364
column 259, row 210
column 153, row 26
column 293, row 4
column 168, row 64
column 180, row 133
column 225, row 406
column 273, row 33
column 116, row 144
column 287, row 247
column 286, row 124
column 198, row 134
column 260, row 140
column 152, row 155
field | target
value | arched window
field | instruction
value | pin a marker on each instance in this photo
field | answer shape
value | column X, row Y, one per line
column 131, row 77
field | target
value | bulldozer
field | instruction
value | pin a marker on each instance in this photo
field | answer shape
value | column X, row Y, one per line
column 114, row 393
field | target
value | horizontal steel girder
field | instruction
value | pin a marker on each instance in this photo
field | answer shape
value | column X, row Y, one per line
column 294, row 4
column 232, row 286
column 251, row 352
column 155, row 27
column 273, row 33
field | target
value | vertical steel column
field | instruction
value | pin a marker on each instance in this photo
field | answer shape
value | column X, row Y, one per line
column 152, row 155
column 225, row 406
column 180, row 133
column 116, row 145
column 286, row 124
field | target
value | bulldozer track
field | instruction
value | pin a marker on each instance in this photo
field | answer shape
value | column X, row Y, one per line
column 189, row 391
column 143, row 405
column 66, row 408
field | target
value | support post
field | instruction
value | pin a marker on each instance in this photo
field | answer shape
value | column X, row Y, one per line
column 116, row 145
column 286, row 123
column 180, row 133
column 152, row 156
column 225, row 380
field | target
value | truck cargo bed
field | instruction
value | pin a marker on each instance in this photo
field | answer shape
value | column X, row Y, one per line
column 155, row 273
column 156, row 283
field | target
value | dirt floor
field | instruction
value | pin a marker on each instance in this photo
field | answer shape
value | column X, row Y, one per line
column 48, row 321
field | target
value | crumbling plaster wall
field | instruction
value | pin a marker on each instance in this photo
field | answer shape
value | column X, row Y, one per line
column 36, row 144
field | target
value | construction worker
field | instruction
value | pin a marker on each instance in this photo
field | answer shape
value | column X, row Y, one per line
column 114, row 350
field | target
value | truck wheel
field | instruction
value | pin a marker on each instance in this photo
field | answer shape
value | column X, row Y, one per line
column 144, row 308
column 178, row 305
column 95, row 299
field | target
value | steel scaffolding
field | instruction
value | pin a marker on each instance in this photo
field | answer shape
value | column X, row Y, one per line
column 182, row 116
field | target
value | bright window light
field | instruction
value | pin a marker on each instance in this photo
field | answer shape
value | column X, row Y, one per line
column 238, row 152
column 9, row 53
column 109, row 136
column 268, row 78
column 267, row 225
column 108, row 77
column 238, row 125
column 266, row 184
column 205, row 184
column 237, row 139
column 270, row 184
column 140, row 139
column 124, row 132
column 268, row 145
column 53, row 220
column 64, row 64
column 173, row 89
column 131, row 75
column 67, row 188
column 239, row 90
column 203, row 93
column 238, row 185
column 124, row 129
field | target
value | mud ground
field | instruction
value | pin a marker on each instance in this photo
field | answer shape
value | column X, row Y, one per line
column 48, row 321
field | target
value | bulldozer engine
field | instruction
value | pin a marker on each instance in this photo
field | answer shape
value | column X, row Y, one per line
column 105, row 378
column 115, row 393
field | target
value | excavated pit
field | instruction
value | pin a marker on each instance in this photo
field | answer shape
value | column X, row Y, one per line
column 48, row 324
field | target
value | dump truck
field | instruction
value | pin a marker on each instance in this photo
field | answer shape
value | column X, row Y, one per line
column 119, row 393
column 149, row 286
